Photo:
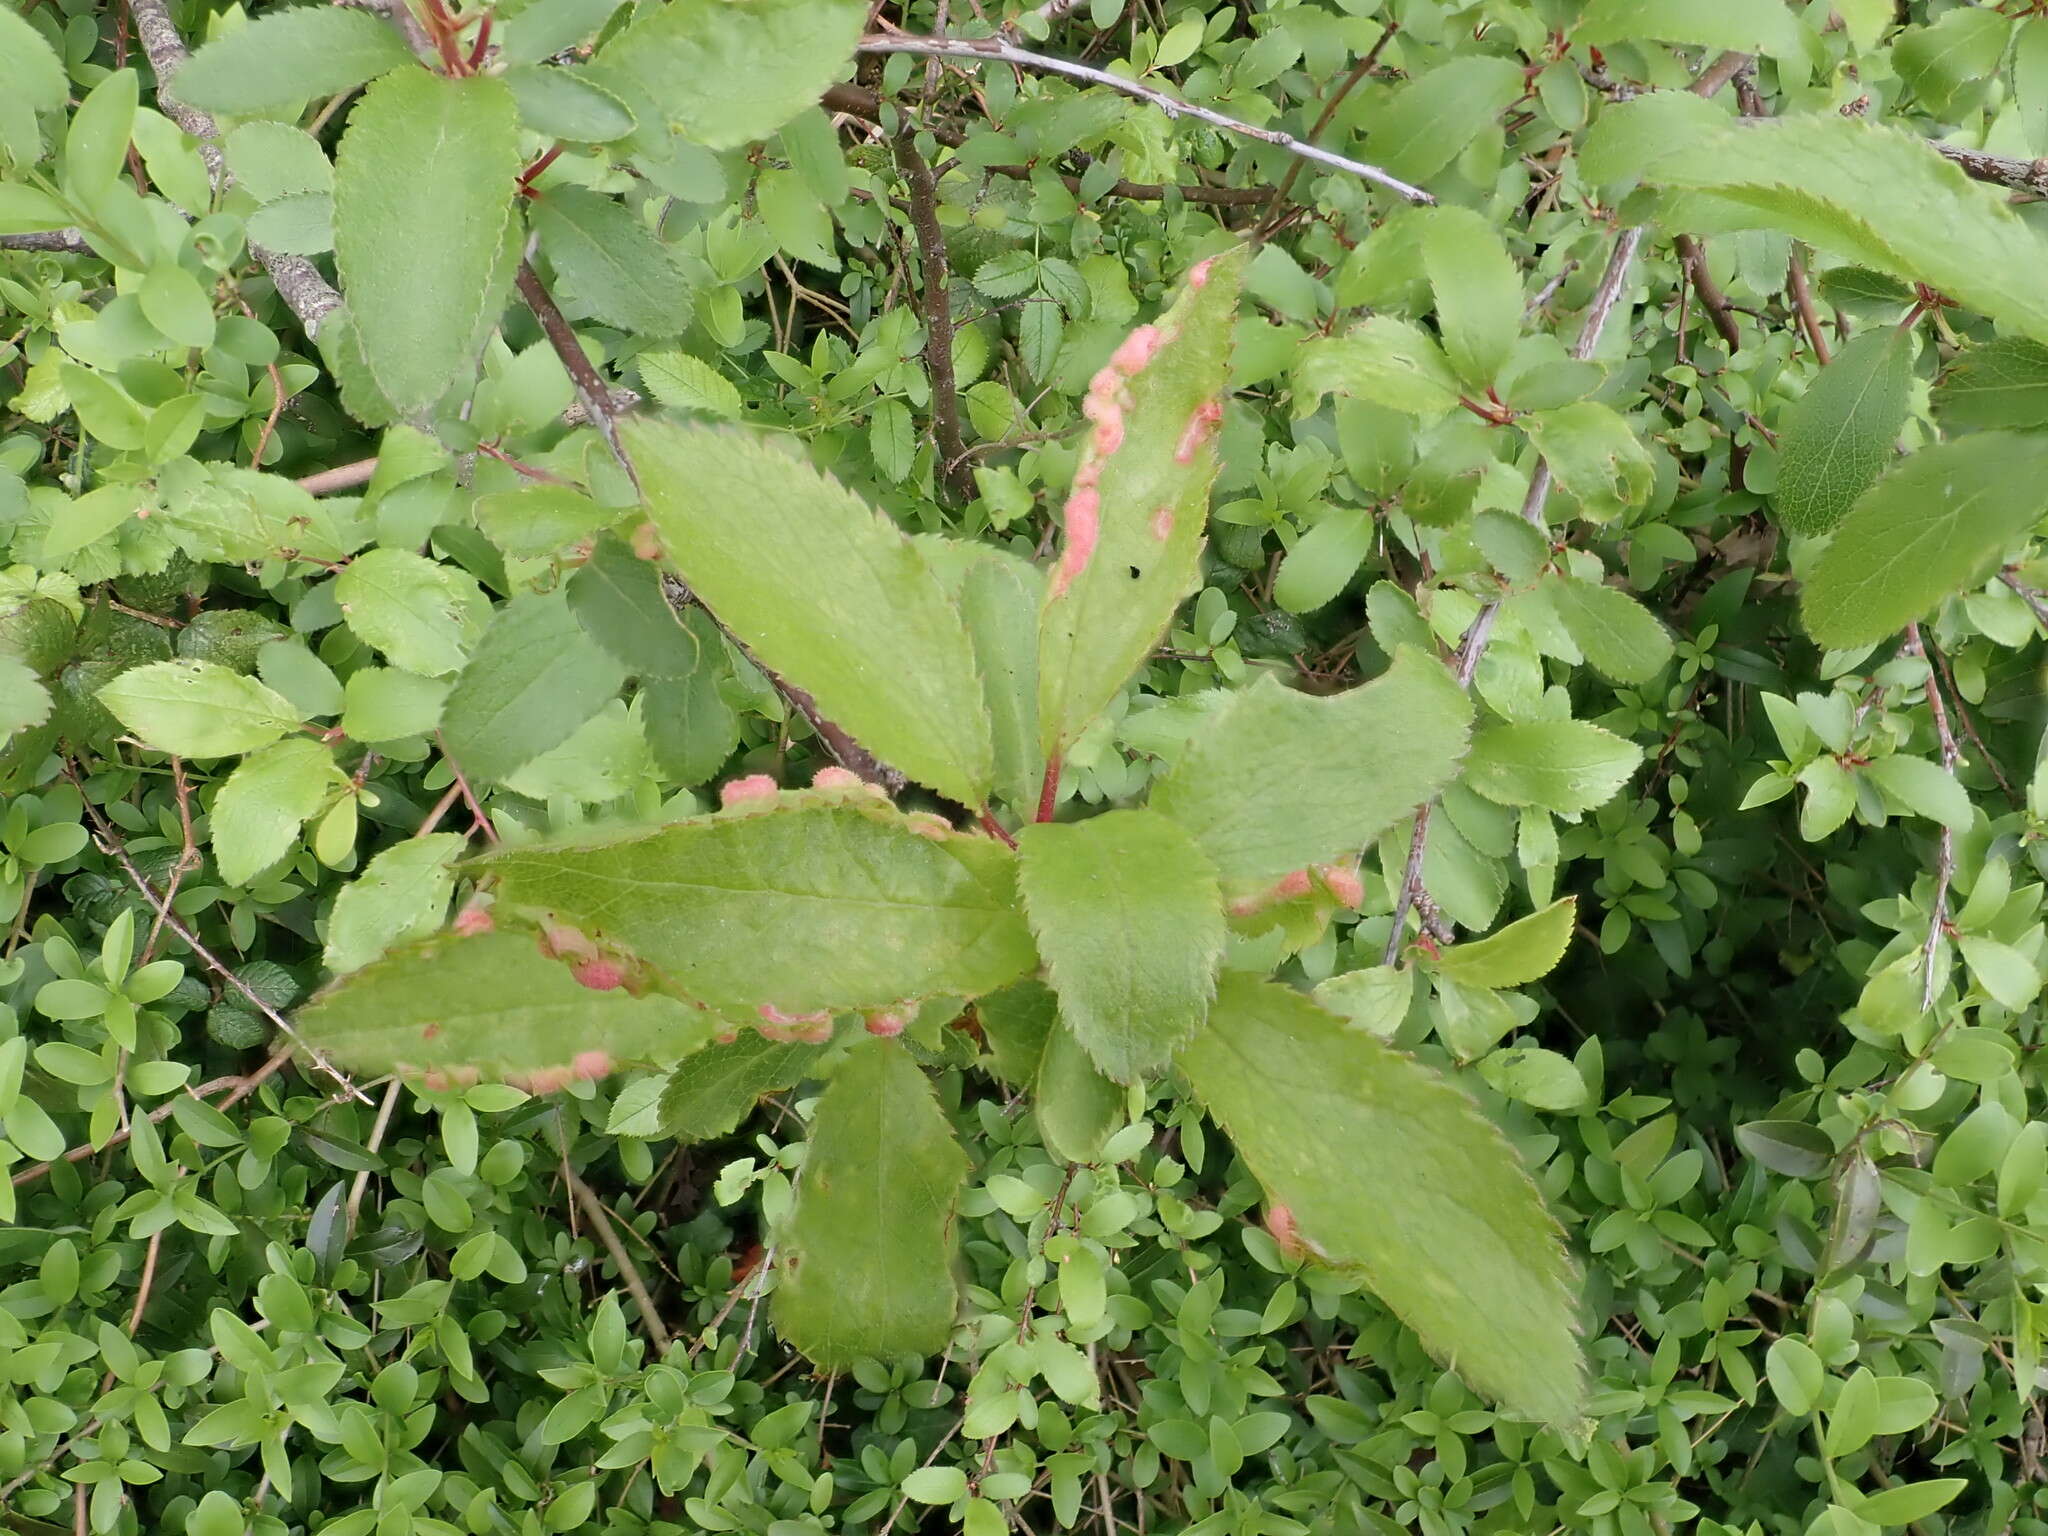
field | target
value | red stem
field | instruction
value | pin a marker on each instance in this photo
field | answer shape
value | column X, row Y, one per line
column 996, row 829
column 541, row 163
column 482, row 44
column 1050, row 794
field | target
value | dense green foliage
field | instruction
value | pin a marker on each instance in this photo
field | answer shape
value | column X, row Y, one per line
column 482, row 489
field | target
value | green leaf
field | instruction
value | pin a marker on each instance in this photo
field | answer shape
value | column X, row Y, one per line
column 548, row 27
column 492, row 1004
column 618, row 599
column 1998, row 383
column 422, row 201
column 1351, row 764
column 1132, row 537
column 728, row 74
column 273, row 160
column 1000, row 596
column 1839, row 435
column 606, row 256
column 1924, row 788
column 197, row 708
column 33, row 71
column 560, row 103
column 1518, row 954
column 423, row 615
column 1417, row 129
column 271, row 794
column 713, row 1091
column 96, row 144
column 1478, row 291
column 288, row 57
column 24, row 701
column 175, row 303
column 1747, row 26
column 1879, row 197
column 1930, row 528
column 1621, row 638
column 683, row 382
column 383, row 704
column 1595, row 455
column 238, row 516
column 1077, row 1108
column 1127, row 914
column 935, row 1485
column 809, row 905
column 1323, row 561
column 1566, row 766
column 1533, row 1076
column 402, row 894
column 1947, row 62
column 847, row 610
column 1907, row 1503
column 534, row 678
column 868, row 1251
column 1376, row 999
column 1384, row 1166
column 1385, row 360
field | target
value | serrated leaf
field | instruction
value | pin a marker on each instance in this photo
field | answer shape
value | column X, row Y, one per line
column 533, row 680
column 562, row 103
column 1533, row 1076
column 1518, row 954
column 1351, row 763
column 537, row 520
column 402, row 894
column 423, row 615
column 1621, row 638
column 683, row 382
column 24, row 701
column 1000, row 597
column 1478, row 291
column 847, row 610
column 1132, row 536
column 618, row 599
column 806, row 906
column 33, row 70
column 197, row 708
column 492, row 1004
column 1866, row 191
column 867, row 1254
column 1924, row 788
column 1930, row 528
column 1323, row 561
column 1386, row 360
column 1747, row 26
column 240, row 516
column 1127, row 913
column 713, row 1091
column 273, row 160
column 1998, row 383
column 386, row 704
column 1566, row 766
column 1077, row 1108
column 608, row 258
column 1595, row 455
column 1839, row 435
column 1418, row 128
column 1384, row 1166
column 728, row 74
column 422, row 201
column 287, row 57
column 271, row 794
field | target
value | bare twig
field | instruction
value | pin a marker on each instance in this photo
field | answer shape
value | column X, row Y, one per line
column 994, row 50
column 1605, row 299
column 1802, row 304
column 377, row 1130
column 635, row 1286
column 591, row 390
column 242, row 1086
column 2036, row 603
column 1720, row 72
column 299, row 283
column 61, row 242
column 1712, row 299
column 1945, row 858
column 343, row 477
column 954, row 474
column 1344, row 88
column 2000, row 170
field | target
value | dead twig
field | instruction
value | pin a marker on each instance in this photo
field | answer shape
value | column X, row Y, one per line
column 953, row 471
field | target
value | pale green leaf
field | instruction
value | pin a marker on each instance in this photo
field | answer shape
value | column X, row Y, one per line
column 533, row 680
column 422, row 201
column 1382, row 1165
column 1566, row 766
column 32, row 69
column 610, row 262
column 493, row 1005
column 1323, row 560
column 271, row 794
column 385, row 704
column 867, row 1254
column 683, row 382
column 1131, row 543
column 1924, row 788
column 402, row 894
column 728, row 74
column 423, row 615
column 1478, row 291
column 1930, row 528
column 1622, row 639
column 536, row 520
column 847, row 610
column 1276, row 780
column 1535, row 1077
column 272, row 160
column 1129, row 919
column 1000, row 596
column 1385, row 360
column 1998, row 383
column 809, row 905
column 561, row 103
column 711, row 1092
column 1595, row 456
column 1518, row 954
column 548, row 27
column 1746, row 26
column 197, row 708
column 24, row 701
column 1416, row 129
column 1376, row 999
column 286, row 57
column 1839, row 435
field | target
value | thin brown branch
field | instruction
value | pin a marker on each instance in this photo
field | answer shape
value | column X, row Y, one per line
column 242, row 1087
column 954, row 473
column 377, row 1130
column 591, row 390
column 2036, row 603
column 989, row 50
column 1720, row 72
column 1945, row 857
column 628, row 1272
column 1802, row 304
column 1344, row 88
column 1712, row 299
column 343, row 477
column 59, row 242
column 2029, row 176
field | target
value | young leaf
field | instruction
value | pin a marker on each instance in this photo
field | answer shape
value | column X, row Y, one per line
column 1518, row 954
column 424, row 615
column 611, row 261
column 867, row 1266
column 271, row 794
column 534, row 678
column 1620, row 637
column 1382, row 1165
column 1324, row 559
column 197, row 708
column 711, row 1092
column 491, row 1005
column 1566, row 766
column 1352, row 763
column 809, row 905
column 1877, row 196
column 1127, row 914
column 1478, row 291
column 1385, row 360
column 287, row 57
column 847, row 609
column 1838, row 436
column 1134, row 516
column 1930, row 528
column 729, row 74
column 422, row 201
column 402, row 894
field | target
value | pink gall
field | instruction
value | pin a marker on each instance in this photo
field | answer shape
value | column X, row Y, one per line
column 1162, row 524
column 1201, row 426
column 1198, row 274
column 474, row 919
column 752, row 789
column 1084, row 526
column 835, row 778
column 1136, row 350
column 591, row 1065
column 600, row 975
column 1343, row 884
column 887, row 1024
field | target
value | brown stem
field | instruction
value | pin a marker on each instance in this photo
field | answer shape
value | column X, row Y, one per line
column 1802, row 302
column 2036, row 603
column 635, row 1286
column 1358, row 72
column 954, row 474
column 1945, row 857
column 591, row 389
column 343, row 477
column 1712, row 299
column 1049, row 792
